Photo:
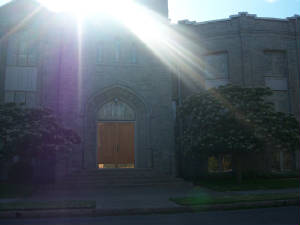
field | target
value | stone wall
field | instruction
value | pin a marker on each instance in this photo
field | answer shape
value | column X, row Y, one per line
column 249, row 41
column 75, row 83
column 261, row 52
column 145, row 85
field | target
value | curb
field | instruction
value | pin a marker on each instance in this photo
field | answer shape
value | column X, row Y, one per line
column 248, row 205
column 141, row 211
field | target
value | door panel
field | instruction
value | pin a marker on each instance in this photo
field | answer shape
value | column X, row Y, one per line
column 125, row 146
column 106, row 143
column 116, row 143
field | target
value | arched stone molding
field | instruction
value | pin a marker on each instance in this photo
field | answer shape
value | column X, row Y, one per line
column 143, row 154
column 116, row 111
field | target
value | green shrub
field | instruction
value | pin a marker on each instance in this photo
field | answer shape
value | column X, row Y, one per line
column 236, row 121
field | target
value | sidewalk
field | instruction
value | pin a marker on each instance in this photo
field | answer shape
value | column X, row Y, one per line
column 137, row 200
column 126, row 197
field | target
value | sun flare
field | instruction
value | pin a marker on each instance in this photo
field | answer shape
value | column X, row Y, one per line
column 86, row 7
column 149, row 26
column 142, row 21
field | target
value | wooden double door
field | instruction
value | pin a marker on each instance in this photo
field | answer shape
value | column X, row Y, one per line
column 116, row 143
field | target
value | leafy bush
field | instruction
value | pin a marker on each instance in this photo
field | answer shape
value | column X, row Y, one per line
column 31, row 132
column 237, row 121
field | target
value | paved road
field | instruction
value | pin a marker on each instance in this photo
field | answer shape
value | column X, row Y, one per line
column 269, row 216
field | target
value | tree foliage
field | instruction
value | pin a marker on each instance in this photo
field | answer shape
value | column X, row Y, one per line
column 233, row 119
column 31, row 132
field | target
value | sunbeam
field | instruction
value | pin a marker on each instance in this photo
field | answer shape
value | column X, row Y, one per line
column 21, row 24
column 176, row 49
column 150, row 27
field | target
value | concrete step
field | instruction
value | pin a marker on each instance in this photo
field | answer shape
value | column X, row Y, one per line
column 115, row 176
column 112, row 175
column 118, row 182
column 104, row 171
column 94, row 179
column 110, row 185
column 121, row 181
column 117, row 173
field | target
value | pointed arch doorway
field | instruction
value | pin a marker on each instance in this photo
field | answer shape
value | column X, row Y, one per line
column 116, row 135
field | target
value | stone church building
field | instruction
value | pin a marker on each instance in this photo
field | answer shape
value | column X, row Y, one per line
column 119, row 94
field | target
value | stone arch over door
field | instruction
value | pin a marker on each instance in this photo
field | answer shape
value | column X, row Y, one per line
column 143, row 154
column 116, row 110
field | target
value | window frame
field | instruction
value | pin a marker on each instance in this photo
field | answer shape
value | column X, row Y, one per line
column 133, row 54
column 99, row 53
column 215, row 53
column 117, row 50
column 29, row 52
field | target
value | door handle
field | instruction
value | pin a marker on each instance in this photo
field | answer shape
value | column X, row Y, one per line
column 117, row 148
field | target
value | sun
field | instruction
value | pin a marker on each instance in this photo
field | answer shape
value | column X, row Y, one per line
column 152, row 28
column 142, row 21
column 149, row 26
column 87, row 7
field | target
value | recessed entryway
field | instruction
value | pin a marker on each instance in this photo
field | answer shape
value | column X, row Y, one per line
column 116, row 145
column 117, row 105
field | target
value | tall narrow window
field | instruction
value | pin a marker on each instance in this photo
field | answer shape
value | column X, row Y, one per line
column 21, row 71
column 31, row 56
column 216, row 69
column 216, row 66
column 21, row 85
column 100, row 53
column 133, row 54
column 276, row 71
column 117, row 50
column 21, row 52
column 275, row 63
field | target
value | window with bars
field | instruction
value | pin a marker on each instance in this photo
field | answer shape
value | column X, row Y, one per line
column 21, row 97
column 21, row 85
column 275, row 75
column 216, row 66
column 21, row 71
column 99, row 56
column 133, row 54
column 216, row 69
column 117, row 57
column 275, row 63
column 21, row 52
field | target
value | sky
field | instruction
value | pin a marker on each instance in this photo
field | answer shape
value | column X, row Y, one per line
column 204, row 10
column 200, row 10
